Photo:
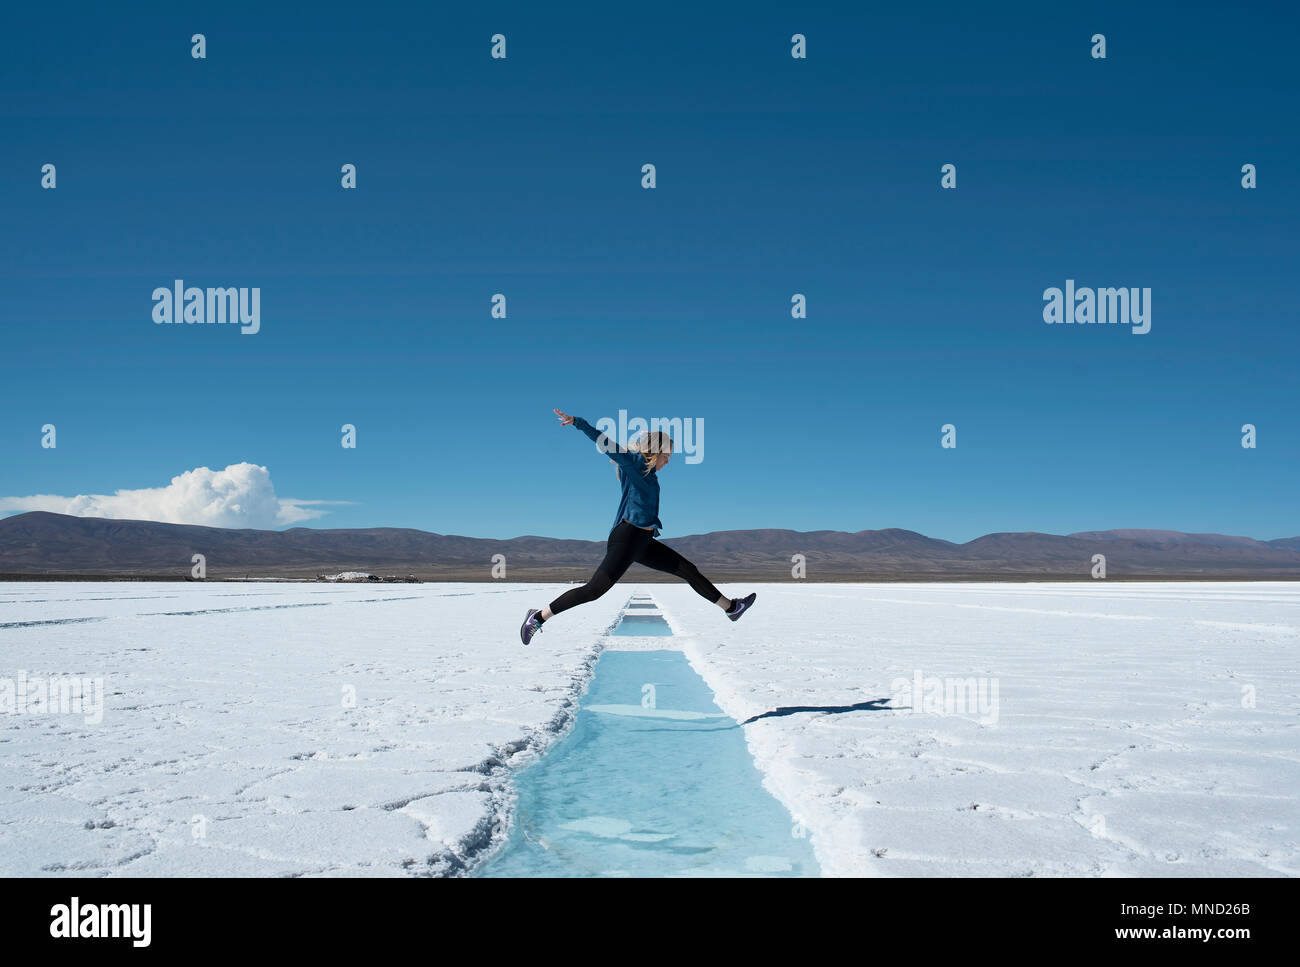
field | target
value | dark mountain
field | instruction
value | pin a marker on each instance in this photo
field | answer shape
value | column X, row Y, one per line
column 56, row 544
column 1168, row 538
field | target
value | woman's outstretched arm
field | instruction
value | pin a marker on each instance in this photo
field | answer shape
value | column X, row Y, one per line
column 606, row 445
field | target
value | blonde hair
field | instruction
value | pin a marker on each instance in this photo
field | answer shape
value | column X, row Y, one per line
column 650, row 443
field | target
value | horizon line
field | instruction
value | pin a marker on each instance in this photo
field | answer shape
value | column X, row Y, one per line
column 821, row 530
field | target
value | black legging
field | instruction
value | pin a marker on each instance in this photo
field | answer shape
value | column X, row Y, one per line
column 629, row 543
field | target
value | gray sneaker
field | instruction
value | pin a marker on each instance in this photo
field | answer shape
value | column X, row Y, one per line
column 531, row 626
column 740, row 605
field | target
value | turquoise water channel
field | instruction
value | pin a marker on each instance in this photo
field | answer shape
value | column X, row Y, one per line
column 642, row 626
column 653, row 780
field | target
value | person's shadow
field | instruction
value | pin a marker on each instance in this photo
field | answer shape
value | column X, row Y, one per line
column 875, row 705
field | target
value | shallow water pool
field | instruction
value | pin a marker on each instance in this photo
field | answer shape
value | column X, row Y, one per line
column 654, row 780
column 642, row 625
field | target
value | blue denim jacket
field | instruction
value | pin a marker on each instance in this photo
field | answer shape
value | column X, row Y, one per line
column 640, row 503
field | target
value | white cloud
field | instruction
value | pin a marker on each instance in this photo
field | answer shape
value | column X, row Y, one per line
column 242, row 495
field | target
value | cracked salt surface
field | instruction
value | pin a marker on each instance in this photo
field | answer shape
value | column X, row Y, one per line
column 290, row 741
column 382, row 737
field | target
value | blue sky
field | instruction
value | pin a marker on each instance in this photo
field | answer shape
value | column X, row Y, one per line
column 775, row 176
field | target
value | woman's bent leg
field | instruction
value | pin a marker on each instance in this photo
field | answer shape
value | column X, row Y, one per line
column 621, row 550
column 661, row 557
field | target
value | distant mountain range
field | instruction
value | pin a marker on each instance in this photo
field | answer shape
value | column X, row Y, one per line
column 57, row 545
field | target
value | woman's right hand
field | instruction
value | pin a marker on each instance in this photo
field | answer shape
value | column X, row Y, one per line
column 565, row 419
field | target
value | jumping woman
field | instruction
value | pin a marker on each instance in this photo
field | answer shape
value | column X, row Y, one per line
column 636, row 526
